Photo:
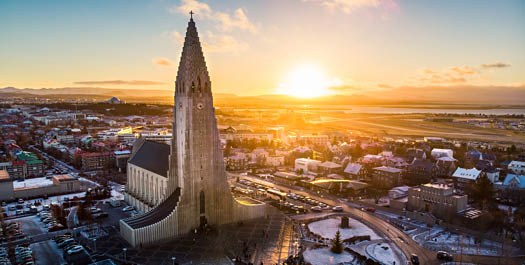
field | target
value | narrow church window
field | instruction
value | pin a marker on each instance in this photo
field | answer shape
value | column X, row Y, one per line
column 199, row 85
column 202, row 202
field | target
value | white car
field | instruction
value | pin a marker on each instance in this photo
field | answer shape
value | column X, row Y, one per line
column 337, row 209
column 128, row 208
column 75, row 250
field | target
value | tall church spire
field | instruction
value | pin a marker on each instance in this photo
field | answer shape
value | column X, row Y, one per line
column 192, row 71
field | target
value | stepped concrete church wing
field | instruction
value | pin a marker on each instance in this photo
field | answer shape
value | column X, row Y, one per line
column 183, row 186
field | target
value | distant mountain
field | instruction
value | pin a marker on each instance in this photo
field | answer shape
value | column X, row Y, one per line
column 504, row 95
column 87, row 91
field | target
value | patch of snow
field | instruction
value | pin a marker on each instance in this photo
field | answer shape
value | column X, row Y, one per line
column 328, row 227
column 31, row 183
column 456, row 244
column 90, row 181
column 323, row 256
column 383, row 253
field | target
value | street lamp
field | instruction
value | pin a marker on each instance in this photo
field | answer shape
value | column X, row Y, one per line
column 124, row 249
column 95, row 243
column 173, row 260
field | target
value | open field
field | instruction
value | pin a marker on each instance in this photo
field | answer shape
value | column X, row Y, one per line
column 415, row 125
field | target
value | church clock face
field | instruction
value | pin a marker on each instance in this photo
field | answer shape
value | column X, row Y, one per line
column 200, row 106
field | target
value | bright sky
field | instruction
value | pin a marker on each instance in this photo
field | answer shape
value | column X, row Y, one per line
column 264, row 46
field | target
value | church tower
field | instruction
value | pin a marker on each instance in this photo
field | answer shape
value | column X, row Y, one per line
column 196, row 163
column 199, row 193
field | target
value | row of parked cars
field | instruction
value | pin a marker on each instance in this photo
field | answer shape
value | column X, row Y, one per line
column 24, row 255
column 49, row 221
column 258, row 187
column 68, row 244
column 292, row 207
column 4, row 256
column 317, row 206
column 12, row 232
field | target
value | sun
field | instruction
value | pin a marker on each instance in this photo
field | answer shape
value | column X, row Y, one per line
column 306, row 81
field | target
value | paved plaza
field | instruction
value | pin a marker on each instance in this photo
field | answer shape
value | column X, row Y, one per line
column 267, row 240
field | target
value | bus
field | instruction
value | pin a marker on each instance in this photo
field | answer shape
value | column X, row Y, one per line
column 276, row 194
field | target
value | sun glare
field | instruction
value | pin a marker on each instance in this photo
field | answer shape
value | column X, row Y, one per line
column 306, row 81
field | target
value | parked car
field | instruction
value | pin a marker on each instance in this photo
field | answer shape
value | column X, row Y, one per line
column 317, row 209
column 443, row 255
column 65, row 242
column 338, row 209
column 75, row 250
column 128, row 208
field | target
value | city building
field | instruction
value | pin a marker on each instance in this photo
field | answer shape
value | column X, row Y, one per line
column 328, row 167
column 437, row 153
column 239, row 161
column 437, row 199
column 16, row 169
column 36, row 187
column 355, row 171
column 197, row 193
column 386, row 177
column 274, row 161
column 34, row 167
column 464, row 177
column 514, row 182
column 96, row 161
column 306, row 165
column 420, row 171
column 517, row 167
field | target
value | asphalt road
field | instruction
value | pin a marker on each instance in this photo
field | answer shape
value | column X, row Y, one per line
column 402, row 240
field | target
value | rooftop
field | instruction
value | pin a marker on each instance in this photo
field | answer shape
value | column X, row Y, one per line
column 64, row 177
column 152, row 156
column 437, row 186
column 388, row 169
column 4, row 176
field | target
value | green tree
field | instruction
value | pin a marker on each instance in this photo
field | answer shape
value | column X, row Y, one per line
column 337, row 243
column 482, row 191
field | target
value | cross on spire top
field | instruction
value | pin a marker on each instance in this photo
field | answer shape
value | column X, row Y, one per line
column 191, row 14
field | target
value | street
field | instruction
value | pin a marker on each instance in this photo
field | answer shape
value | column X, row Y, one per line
column 402, row 240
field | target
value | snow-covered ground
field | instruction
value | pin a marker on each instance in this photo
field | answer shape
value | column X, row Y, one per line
column 383, row 253
column 328, row 227
column 88, row 180
column 323, row 256
column 456, row 244
column 31, row 183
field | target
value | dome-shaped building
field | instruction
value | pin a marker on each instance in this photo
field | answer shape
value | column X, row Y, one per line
column 114, row 100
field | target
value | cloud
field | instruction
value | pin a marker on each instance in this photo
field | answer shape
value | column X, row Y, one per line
column 349, row 6
column 495, row 65
column 449, row 75
column 223, row 44
column 226, row 22
column 462, row 70
column 162, row 62
column 120, row 82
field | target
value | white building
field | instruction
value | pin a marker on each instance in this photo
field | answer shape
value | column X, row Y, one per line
column 306, row 165
column 517, row 167
column 437, row 153
column 466, row 176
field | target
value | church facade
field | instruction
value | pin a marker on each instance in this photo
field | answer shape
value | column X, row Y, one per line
column 191, row 190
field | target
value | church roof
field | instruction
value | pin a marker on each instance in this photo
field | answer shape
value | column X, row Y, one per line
column 152, row 156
